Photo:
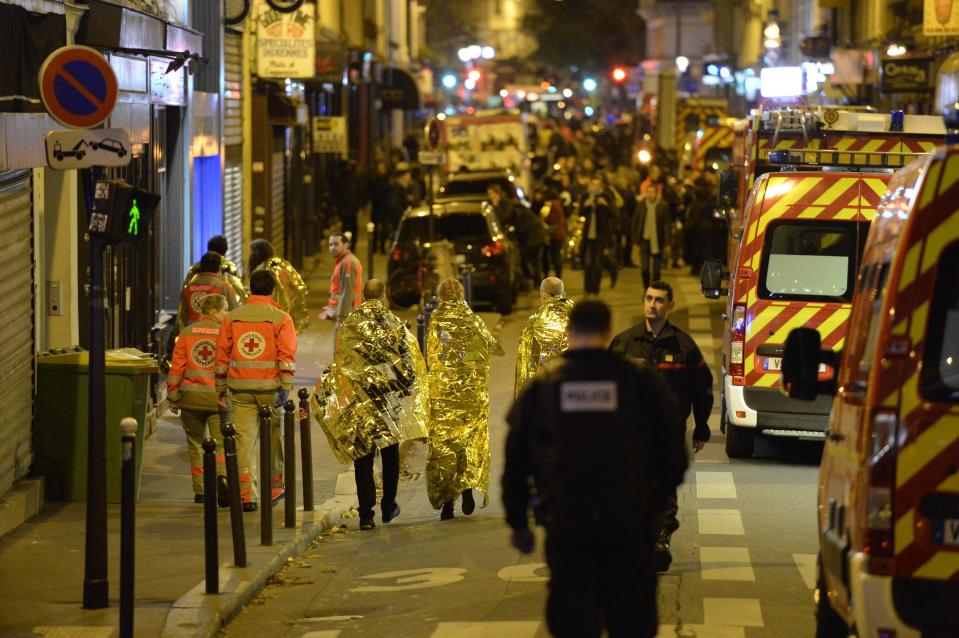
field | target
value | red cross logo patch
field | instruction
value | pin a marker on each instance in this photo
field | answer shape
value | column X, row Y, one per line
column 251, row 345
column 196, row 300
column 204, row 353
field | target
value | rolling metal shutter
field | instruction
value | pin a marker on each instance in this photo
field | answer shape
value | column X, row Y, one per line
column 16, row 327
column 277, row 192
column 233, row 147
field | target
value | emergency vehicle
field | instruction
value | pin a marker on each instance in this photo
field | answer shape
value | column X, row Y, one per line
column 799, row 245
column 889, row 477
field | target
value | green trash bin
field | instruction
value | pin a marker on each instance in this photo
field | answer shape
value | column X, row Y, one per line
column 60, row 436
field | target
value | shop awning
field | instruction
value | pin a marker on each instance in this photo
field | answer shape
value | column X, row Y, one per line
column 398, row 90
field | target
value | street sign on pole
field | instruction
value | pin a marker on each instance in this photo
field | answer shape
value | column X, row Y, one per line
column 430, row 158
column 85, row 148
column 78, row 86
column 434, row 134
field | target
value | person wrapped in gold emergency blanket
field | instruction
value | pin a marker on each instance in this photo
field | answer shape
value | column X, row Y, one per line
column 374, row 396
column 290, row 291
column 458, row 346
column 544, row 336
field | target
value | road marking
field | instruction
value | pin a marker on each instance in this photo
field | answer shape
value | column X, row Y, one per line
column 701, row 631
column 806, row 563
column 715, row 485
column 505, row 629
column 423, row 578
column 736, row 612
column 700, row 324
column 727, row 522
column 525, row 573
column 726, row 563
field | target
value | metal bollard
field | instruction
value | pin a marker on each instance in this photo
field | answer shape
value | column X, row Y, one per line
column 210, row 543
column 370, row 248
column 233, row 484
column 128, row 497
column 266, row 478
column 289, row 464
column 306, row 449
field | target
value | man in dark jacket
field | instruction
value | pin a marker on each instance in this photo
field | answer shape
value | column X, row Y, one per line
column 650, row 232
column 595, row 443
column 659, row 344
column 599, row 231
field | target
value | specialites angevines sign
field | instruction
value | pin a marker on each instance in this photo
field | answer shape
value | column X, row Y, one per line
column 285, row 42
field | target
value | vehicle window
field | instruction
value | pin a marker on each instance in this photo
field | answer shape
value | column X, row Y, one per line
column 720, row 156
column 940, row 370
column 476, row 186
column 456, row 226
column 875, row 287
column 810, row 260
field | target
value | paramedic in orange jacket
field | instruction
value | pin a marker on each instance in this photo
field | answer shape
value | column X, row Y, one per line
column 192, row 392
column 346, row 282
column 255, row 361
column 207, row 281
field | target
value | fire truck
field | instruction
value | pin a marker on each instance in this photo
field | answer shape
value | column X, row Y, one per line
column 888, row 484
column 799, row 244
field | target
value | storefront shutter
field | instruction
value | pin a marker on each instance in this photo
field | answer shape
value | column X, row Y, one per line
column 16, row 327
column 277, row 192
column 233, row 147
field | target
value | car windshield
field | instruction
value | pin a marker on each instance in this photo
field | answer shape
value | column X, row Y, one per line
column 940, row 371
column 811, row 260
column 476, row 186
column 455, row 226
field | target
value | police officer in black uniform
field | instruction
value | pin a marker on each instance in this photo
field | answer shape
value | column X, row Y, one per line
column 595, row 445
column 657, row 343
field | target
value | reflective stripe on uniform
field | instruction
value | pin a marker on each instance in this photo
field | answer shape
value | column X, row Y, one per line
column 254, row 384
column 198, row 388
column 198, row 374
column 173, row 379
column 254, row 364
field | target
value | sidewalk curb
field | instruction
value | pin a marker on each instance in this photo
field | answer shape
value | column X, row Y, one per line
column 197, row 613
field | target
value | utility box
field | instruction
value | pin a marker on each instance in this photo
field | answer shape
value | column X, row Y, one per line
column 62, row 414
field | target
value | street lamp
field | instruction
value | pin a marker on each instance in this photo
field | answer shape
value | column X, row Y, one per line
column 682, row 63
column 589, row 84
column 449, row 81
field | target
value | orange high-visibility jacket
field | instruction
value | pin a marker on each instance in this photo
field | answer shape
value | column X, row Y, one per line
column 346, row 286
column 201, row 285
column 190, row 383
column 256, row 348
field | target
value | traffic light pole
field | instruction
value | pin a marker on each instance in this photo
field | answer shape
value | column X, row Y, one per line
column 96, row 586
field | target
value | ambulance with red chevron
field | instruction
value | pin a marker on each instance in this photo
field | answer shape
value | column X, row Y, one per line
column 889, row 476
column 799, row 241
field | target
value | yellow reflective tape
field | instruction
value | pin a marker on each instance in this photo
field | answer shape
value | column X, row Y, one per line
column 943, row 234
column 929, row 185
column 794, row 191
column 834, row 322
column 908, row 273
column 848, row 213
column 841, row 186
column 767, row 381
column 844, row 143
column 759, row 322
column 839, row 344
column 747, row 365
column 909, row 394
column 797, row 320
column 905, row 528
column 926, row 447
column 951, row 484
column 872, row 146
column 941, row 566
column 950, row 173
column 876, row 185
column 811, row 212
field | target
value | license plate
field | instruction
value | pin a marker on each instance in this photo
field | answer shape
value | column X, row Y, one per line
column 772, row 363
column 775, row 364
column 945, row 531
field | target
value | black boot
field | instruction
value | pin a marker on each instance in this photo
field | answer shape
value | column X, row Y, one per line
column 447, row 512
column 468, row 503
column 661, row 555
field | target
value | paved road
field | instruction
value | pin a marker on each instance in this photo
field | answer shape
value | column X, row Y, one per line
column 743, row 556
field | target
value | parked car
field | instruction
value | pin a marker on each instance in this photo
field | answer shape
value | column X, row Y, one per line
column 472, row 185
column 475, row 235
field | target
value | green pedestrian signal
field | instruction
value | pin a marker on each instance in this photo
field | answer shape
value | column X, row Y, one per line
column 134, row 228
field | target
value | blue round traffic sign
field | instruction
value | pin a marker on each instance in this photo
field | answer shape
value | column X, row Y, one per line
column 78, row 86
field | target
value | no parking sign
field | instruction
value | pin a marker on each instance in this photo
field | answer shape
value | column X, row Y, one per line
column 78, row 86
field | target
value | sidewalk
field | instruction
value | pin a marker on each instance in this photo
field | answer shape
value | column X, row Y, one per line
column 42, row 562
